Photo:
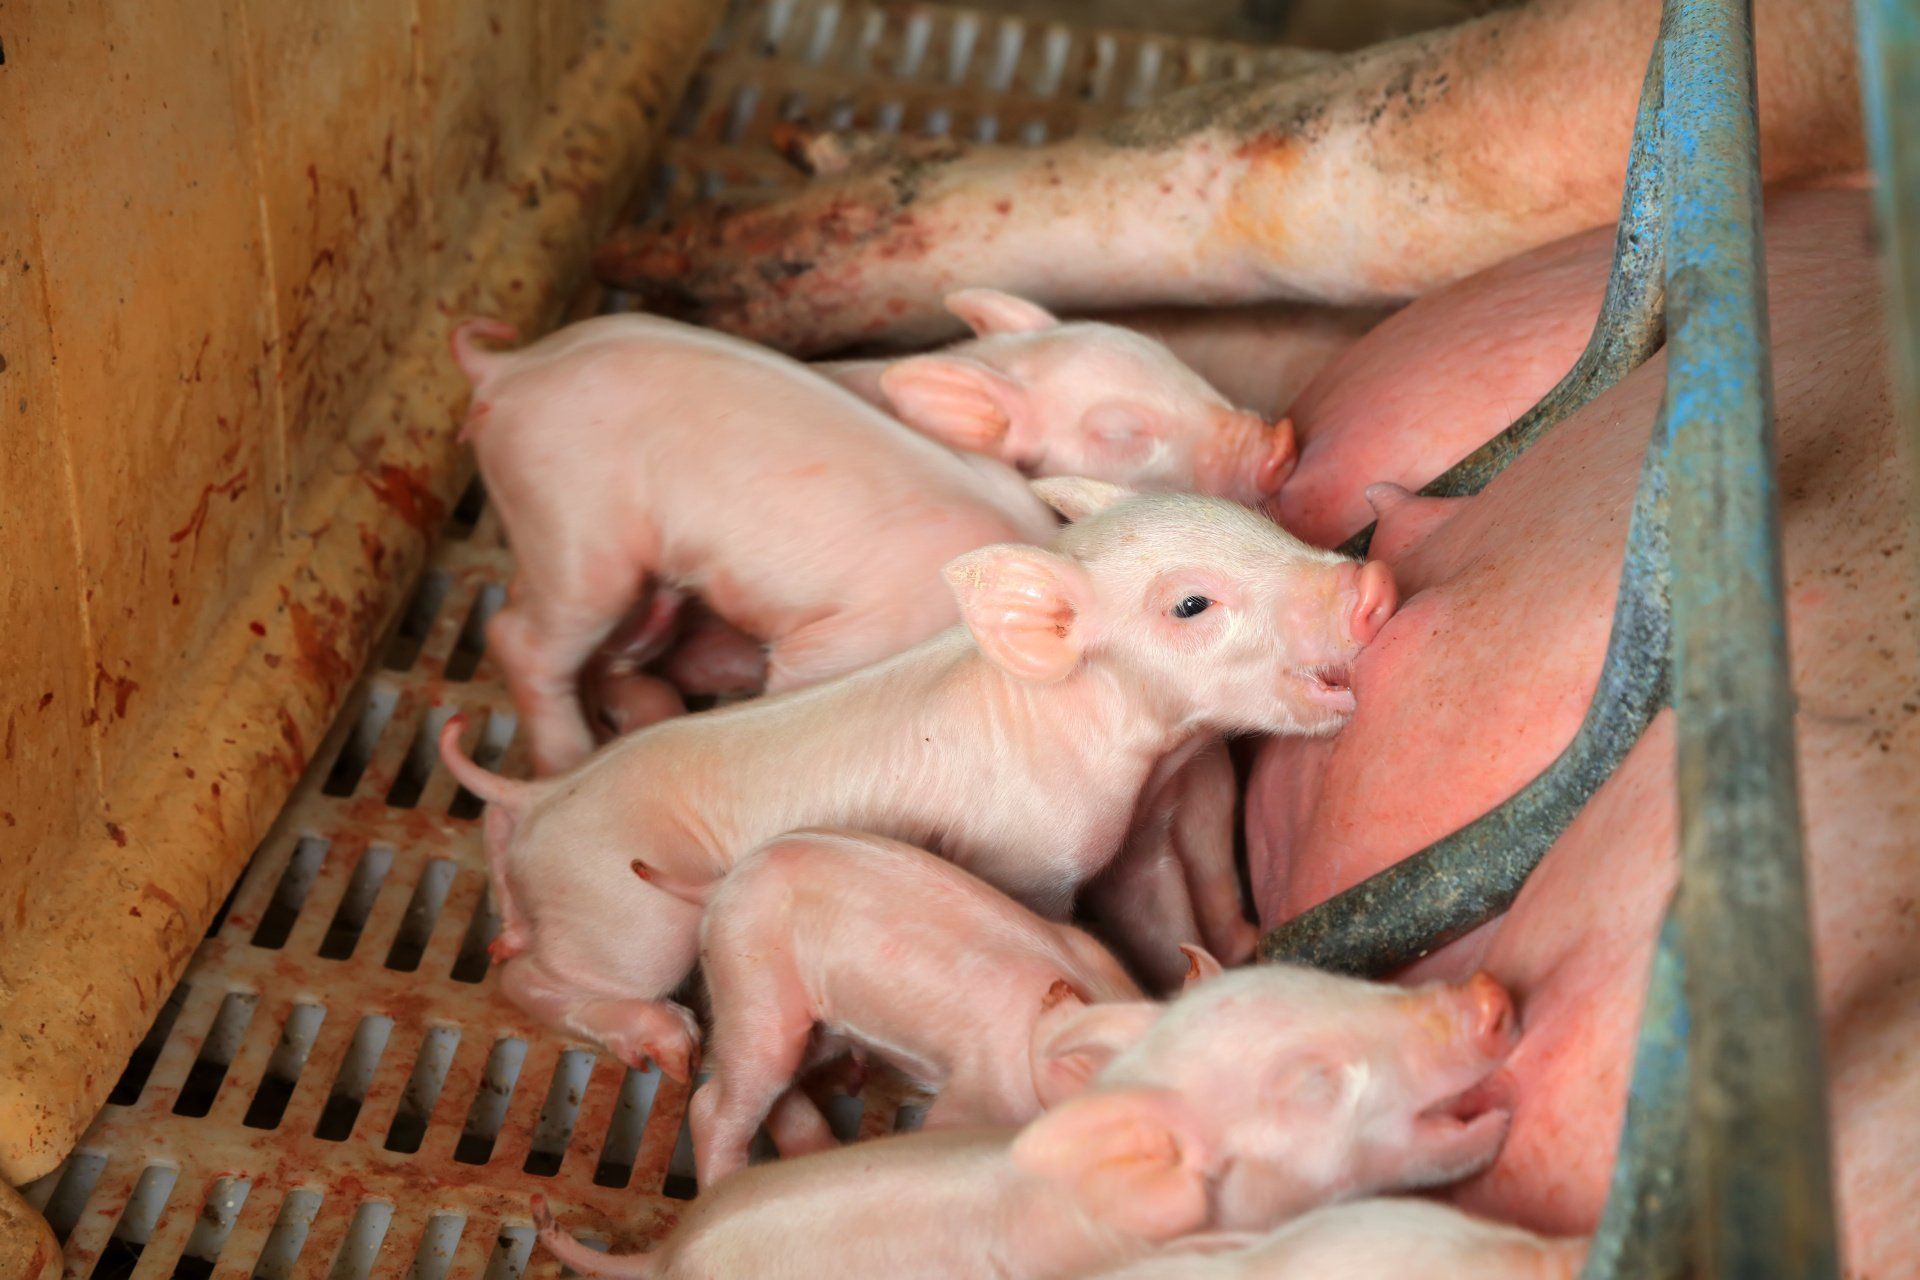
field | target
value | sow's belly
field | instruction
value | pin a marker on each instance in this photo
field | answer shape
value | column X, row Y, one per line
column 1482, row 677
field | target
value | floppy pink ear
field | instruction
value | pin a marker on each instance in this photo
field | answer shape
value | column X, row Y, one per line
column 1133, row 1157
column 1200, row 966
column 1310, row 1083
column 959, row 402
column 1073, row 1042
column 1077, row 497
column 1026, row 608
column 989, row 311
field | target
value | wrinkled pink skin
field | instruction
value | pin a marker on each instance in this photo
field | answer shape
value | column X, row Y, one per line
column 1307, row 1088
column 1068, row 684
column 1368, row 1240
column 628, row 451
column 877, row 943
column 1077, row 399
column 1483, row 675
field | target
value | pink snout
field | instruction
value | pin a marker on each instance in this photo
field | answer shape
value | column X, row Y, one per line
column 1489, row 1015
column 1375, row 599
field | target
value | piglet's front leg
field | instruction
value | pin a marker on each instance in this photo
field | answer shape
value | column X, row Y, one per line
column 1205, row 793
column 1141, row 907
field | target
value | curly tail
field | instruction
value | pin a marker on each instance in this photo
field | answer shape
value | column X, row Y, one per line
column 478, row 363
column 585, row 1261
column 508, row 793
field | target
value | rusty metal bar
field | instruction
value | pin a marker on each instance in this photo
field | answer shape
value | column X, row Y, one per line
column 1632, row 320
column 1890, row 85
column 1759, row 1131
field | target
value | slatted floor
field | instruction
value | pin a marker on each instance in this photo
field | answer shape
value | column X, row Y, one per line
column 334, row 1088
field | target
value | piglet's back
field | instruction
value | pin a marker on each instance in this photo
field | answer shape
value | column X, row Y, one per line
column 690, row 423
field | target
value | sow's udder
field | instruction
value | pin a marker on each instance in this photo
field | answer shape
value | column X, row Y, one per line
column 1482, row 676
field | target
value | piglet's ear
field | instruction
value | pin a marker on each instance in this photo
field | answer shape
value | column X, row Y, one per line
column 1309, row 1084
column 960, row 402
column 1074, row 1042
column 1026, row 608
column 989, row 311
column 1077, row 497
column 1133, row 1157
column 1201, row 966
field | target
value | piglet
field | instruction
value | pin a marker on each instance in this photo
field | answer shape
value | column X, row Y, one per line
column 627, row 452
column 1370, row 1239
column 1078, row 398
column 884, row 945
column 1016, row 746
column 950, row 1203
column 1308, row 1088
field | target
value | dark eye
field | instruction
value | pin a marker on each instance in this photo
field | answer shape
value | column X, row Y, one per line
column 1190, row 606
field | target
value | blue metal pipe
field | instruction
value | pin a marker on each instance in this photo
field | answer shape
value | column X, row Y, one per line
column 1759, row 1151
column 1890, row 85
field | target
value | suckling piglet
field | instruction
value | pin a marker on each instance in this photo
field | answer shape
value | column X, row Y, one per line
column 628, row 451
column 1078, row 398
column 1016, row 746
column 852, row 937
column 1324, row 1077
column 1387, row 1239
column 1309, row 1088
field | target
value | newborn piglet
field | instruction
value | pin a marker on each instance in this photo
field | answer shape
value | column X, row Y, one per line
column 1370, row 1239
column 955, row 1202
column 1078, row 398
column 883, row 945
column 1017, row 746
column 1307, row 1088
column 629, row 452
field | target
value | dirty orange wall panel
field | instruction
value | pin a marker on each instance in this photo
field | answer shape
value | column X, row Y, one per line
column 142, row 184
column 49, row 777
column 562, row 36
column 233, row 236
column 338, row 152
column 481, row 100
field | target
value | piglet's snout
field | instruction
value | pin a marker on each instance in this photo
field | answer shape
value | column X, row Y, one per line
column 1374, row 599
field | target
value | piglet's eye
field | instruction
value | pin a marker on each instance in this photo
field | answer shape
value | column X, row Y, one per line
column 1190, row 606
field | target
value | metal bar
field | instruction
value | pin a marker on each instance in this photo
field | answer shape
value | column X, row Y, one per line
column 1759, row 1133
column 1890, row 84
column 1463, row 880
column 1643, row 1234
column 1632, row 320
